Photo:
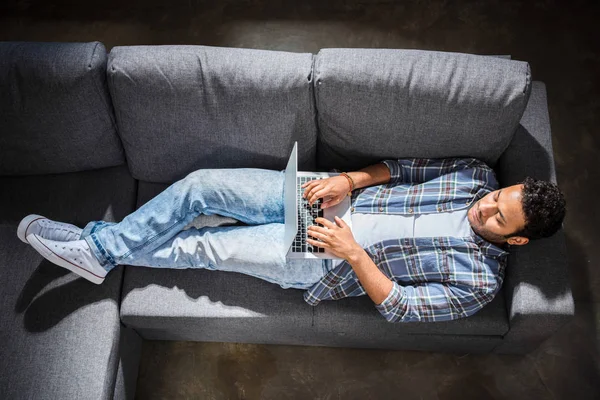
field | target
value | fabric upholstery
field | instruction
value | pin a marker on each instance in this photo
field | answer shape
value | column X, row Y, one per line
column 130, row 349
column 537, row 286
column 222, row 306
column 56, row 113
column 181, row 108
column 80, row 197
column 374, row 104
column 343, row 316
column 59, row 334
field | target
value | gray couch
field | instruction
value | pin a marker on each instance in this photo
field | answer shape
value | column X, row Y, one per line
column 86, row 135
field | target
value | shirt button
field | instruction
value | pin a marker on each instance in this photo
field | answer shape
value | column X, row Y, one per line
column 380, row 208
column 410, row 210
column 352, row 209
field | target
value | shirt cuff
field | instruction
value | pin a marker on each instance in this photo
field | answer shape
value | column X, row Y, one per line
column 391, row 302
column 395, row 170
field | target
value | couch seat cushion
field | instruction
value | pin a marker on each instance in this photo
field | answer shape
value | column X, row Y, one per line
column 59, row 334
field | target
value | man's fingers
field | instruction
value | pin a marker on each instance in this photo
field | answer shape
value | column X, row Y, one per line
column 340, row 221
column 329, row 202
column 310, row 189
column 325, row 222
column 311, row 182
column 317, row 232
column 315, row 196
column 317, row 243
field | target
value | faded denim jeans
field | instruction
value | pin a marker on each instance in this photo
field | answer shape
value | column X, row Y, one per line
column 154, row 235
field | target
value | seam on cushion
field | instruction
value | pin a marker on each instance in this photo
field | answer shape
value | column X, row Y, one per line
column 98, row 90
column 107, row 106
column 527, row 78
column 113, row 97
column 315, row 79
column 314, row 106
column 92, row 56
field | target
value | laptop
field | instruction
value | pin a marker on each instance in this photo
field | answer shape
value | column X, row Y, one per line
column 299, row 215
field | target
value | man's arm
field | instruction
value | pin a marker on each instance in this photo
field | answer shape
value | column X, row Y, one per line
column 419, row 170
column 376, row 174
column 431, row 301
column 376, row 284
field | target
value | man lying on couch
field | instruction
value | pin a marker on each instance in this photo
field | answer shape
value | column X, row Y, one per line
column 431, row 234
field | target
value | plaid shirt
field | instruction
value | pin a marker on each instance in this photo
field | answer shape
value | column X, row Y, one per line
column 434, row 278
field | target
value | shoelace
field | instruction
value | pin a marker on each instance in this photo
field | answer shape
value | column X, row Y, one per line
column 54, row 226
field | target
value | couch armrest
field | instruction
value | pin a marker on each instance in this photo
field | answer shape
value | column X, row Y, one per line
column 537, row 286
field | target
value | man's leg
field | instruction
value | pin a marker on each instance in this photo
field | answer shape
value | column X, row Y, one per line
column 250, row 195
column 255, row 250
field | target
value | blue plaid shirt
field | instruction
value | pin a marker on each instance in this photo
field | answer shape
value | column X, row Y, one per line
column 434, row 278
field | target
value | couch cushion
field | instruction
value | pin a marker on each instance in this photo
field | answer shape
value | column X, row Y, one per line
column 56, row 114
column 374, row 104
column 59, row 334
column 343, row 316
column 538, row 285
column 80, row 197
column 207, row 305
column 231, row 307
column 182, row 108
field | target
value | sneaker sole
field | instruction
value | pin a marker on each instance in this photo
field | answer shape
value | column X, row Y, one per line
column 56, row 259
column 24, row 225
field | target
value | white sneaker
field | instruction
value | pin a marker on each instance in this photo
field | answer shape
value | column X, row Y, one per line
column 47, row 229
column 76, row 256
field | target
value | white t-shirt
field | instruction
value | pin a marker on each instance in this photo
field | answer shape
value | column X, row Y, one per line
column 368, row 229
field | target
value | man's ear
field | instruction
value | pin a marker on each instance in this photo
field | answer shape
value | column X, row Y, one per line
column 517, row 240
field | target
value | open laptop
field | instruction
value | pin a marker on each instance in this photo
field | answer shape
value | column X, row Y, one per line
column 299, row 215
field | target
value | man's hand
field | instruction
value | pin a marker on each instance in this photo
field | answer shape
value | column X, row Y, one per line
column 332, row 190
column 337, row 238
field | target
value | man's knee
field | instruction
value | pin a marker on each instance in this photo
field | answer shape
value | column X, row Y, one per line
column 198, row 175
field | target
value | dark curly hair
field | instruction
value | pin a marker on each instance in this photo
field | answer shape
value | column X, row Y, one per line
column 544, row 207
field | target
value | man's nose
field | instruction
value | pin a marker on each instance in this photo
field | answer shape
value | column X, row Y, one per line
column 487, row 209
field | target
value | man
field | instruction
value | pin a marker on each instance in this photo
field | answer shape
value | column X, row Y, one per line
column 431, row 234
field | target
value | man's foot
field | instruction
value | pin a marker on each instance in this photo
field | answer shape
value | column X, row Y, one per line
column 75, row 256
column 47, row 229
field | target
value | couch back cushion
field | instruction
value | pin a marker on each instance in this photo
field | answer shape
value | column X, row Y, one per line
column 374, row 104
column 55, row 110
column 181, row 108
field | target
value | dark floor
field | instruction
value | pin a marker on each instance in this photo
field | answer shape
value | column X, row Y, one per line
column 560, row 42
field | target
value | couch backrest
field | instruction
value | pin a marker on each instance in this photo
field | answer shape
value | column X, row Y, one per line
column 55, row 111
column 374, row 104
column 180, row 108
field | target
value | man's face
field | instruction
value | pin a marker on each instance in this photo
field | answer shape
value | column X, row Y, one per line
column 499, row 214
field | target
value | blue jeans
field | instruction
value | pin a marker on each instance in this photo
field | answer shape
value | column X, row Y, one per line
column 152, row 236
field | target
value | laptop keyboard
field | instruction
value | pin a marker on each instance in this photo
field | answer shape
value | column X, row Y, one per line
column 306, row 217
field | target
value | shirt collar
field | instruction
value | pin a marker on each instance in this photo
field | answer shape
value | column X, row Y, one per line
column 489, row 248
